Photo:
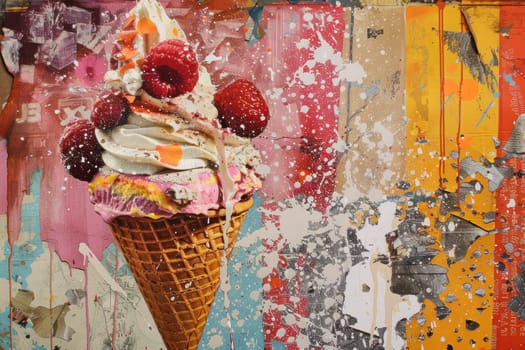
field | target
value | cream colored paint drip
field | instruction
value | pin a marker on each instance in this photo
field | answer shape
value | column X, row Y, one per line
column 90, row 258
column 367, row 295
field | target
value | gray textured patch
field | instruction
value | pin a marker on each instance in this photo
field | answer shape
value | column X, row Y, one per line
column 457, row 235
column 516, row 142
column 412, row 269
column 463, row 45
column 517, row 303
column 495, row 174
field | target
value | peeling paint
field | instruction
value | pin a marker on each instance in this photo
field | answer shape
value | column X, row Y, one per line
column 391, row 214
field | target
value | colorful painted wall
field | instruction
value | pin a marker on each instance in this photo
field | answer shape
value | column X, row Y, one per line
column 392, row 216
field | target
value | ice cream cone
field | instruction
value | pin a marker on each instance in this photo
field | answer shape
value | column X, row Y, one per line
column 176, row 263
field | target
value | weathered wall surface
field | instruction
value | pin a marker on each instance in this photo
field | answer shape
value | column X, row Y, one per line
column 392, row 213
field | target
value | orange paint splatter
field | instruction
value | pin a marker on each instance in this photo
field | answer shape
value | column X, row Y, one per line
column 142, row 107
column 146, row 26
column 170, row 154
column 450, row 87
column 414, row 12
column 464, row 142
column 126, row 67
column 469, row 89
column 275, row 282
column 414, row 67
column 126, row 38
column 127, row 54
column 130, row 98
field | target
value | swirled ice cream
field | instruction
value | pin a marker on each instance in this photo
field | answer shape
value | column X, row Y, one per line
column 165, row 146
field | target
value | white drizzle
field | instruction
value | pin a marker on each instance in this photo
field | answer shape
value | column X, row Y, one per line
column 228, row 188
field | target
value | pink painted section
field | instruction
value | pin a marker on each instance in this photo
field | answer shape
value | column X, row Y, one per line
column 43, row 98
column 303, row 98
column 66, row 218
column 297, row 143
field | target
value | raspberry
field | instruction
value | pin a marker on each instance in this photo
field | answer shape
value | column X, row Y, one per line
column 242, row 108
column 110, row 110
column 80, row 150
column 170, row 69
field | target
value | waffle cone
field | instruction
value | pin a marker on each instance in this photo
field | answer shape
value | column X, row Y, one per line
column 176, row 263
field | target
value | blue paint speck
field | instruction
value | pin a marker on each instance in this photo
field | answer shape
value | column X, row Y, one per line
column 509, row 79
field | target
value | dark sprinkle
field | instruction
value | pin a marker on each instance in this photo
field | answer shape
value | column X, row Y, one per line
column 471, row 325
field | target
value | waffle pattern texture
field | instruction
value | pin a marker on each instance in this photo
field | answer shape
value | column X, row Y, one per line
column 176, row 263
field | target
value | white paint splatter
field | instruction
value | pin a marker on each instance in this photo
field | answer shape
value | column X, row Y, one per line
column 326, row 54
column 271, row 260
column 215, row 342
column 281, row 332
column 307, row 78
column 308, row 17
column 351, row 72
column 303, row 342
column 387, row 136
column 212, row 58
column 367, row 295
column 302, row 44
column 331, row 274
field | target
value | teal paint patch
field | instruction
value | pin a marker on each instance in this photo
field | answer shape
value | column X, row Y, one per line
column 278, row 345
column 109, row 260
column 449, row 97
column 25, row 254
column 36, row 346
column 4, row 264
column 258, row 32
column 5, row 341
column 484, row 113
column 294, row 20
column 509, row 79
column 370, row 90
column 245, row 297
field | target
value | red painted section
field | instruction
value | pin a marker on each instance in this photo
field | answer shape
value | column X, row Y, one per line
column 509, row 330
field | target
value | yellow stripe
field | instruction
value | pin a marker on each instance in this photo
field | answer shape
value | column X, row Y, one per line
column 422, row 99
column 438, row 141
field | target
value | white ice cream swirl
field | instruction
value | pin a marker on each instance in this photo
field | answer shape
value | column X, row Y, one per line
column 159, row 132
